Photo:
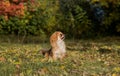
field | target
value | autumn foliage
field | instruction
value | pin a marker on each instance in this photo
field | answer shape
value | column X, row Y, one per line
column 13, row 7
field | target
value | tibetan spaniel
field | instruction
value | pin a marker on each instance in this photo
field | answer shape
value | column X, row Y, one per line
column 58, row 48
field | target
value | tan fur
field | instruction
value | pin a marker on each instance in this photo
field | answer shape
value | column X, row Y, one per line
column 58, row 48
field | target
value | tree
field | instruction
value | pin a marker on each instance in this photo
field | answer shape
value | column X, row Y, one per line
column 8, row 8
column 75, row 18
column 111, row 23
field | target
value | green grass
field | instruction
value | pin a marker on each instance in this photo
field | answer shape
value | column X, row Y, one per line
column 85, row 58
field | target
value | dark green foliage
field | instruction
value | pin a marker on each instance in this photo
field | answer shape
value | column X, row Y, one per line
column 75, row 18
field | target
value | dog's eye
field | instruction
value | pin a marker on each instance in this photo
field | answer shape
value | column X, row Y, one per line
column 60, row 34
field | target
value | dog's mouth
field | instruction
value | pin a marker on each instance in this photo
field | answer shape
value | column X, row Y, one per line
column 63, row 38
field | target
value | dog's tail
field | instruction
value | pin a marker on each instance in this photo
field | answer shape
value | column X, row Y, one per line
column 46, row 52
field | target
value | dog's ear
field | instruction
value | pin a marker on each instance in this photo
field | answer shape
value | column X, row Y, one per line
column 53, row 38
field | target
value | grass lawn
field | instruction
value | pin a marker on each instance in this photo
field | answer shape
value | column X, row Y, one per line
column 85, row 58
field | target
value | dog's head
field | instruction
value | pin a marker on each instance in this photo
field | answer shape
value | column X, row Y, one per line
column 60, row 35
column 57, row 36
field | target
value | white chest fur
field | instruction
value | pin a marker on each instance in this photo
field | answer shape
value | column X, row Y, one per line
column 61, row 48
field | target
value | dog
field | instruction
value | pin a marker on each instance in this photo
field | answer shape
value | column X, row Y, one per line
column 58, row 47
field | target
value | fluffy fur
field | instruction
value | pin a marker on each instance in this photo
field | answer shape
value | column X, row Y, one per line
column 58, row 48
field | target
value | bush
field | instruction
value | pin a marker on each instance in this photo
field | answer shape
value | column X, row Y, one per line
column 75, row 18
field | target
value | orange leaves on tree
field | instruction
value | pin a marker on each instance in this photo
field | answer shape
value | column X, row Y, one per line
column 12, row 8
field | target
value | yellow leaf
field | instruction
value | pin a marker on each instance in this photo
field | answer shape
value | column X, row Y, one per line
column 114, row 74
column 62, row 67
column 117, row 69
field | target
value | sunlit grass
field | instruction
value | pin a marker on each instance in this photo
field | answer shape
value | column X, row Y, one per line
column 85, row 58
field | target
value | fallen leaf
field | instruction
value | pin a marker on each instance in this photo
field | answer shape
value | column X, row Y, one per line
column 2, row 59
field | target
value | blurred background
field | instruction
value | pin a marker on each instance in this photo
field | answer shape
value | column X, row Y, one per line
column 23, row 20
